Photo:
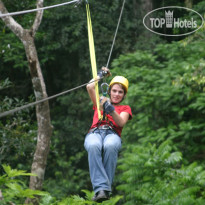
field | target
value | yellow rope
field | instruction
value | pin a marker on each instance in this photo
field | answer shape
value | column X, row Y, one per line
column 93, row 59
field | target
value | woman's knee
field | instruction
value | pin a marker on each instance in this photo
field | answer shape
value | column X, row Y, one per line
column 92, row 143
column 112, row 143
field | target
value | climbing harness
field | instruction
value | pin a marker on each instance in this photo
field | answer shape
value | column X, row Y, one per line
column 103, row 127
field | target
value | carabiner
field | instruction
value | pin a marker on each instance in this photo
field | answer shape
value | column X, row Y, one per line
column 104, row 88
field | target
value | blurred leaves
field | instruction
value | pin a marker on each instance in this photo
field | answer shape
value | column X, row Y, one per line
column 154, row 175
column 166, row 95
column 17, row 132
column 163, row 155
column 15, row 190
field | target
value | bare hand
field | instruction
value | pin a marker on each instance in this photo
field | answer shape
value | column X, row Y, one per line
column 102, row 101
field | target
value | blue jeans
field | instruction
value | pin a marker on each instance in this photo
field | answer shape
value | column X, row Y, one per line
column 102, row 147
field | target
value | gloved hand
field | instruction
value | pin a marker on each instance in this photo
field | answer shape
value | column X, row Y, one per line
column 108, row 107
column 104, row 72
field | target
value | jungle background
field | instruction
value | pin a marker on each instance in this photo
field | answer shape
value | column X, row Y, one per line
column 162, row 159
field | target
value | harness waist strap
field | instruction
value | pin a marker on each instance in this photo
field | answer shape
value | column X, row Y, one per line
column 103, row 127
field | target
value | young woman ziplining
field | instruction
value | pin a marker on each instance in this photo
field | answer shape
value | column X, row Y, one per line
column 103, row 140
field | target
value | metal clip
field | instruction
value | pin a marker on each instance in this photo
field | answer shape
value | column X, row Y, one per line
column 104, row 88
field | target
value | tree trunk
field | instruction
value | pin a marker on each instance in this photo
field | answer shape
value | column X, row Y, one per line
column 42, row 109
column 146, row 6
column 43, row 116
column 188, row 3
column 1, row 196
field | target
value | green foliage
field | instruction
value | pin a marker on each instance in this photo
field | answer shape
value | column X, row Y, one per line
column 5, row 84
column 14, row 5
column 166, row 95
column 15, row 190
column 155, row 175
column 77, row 200
column 12, row 51
column 17, row 132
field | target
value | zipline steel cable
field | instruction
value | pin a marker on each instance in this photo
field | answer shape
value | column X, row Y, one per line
column 43, row 100
column 67, row 91
column 113, row 42
column 37, row 9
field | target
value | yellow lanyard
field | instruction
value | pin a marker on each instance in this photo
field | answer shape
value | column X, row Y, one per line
column 93, row 59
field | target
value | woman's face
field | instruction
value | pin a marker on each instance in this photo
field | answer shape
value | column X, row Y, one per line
column 116, row 94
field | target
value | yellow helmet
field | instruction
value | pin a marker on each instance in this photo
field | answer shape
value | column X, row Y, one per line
column 122, row 80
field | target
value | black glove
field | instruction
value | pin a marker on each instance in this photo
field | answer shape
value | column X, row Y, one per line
column 108, row 107
column 102, row 73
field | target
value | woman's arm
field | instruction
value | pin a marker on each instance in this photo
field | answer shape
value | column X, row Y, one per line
column 120, row 119
column 91, row 90
column 91, row 86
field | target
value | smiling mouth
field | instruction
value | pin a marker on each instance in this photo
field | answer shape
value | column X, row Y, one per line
column 116, row 98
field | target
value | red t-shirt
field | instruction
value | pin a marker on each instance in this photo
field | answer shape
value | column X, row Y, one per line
column 118, row 109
